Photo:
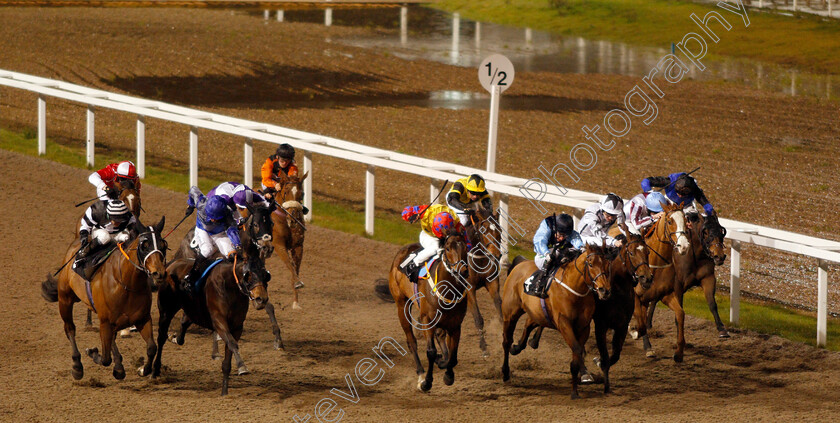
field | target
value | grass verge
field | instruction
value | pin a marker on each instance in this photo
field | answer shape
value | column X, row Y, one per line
column 770, row 319
column 806, row 41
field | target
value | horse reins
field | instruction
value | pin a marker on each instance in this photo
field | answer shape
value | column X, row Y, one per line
column 142, row 269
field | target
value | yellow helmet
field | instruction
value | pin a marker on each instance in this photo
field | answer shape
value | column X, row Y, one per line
column 475, row 184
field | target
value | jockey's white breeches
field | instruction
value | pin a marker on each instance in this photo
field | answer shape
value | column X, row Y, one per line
column 430, row 246
column 207, row 244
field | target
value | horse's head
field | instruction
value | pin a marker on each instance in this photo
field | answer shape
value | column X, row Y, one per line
column 289, row 189
column 486, row 231
column 259, row 227
column 151, row 250
column 128, row 194
column 254, row 280
column 454, row 251
column 675, row 228
column 634, row 257
column 596, row 269
column 711, row 236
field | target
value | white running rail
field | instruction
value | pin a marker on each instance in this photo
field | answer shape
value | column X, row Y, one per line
column 739, row 232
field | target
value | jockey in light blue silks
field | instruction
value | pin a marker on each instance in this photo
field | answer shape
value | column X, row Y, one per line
column 556, row 243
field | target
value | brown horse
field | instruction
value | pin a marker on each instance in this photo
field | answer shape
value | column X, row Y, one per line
column 483, row 261
column 441, row 308
column 221, row 306
column 290, row 228
column 569, row 307
column 126, row 192
column 627, row 270
column 120, row 294
column 690, row 270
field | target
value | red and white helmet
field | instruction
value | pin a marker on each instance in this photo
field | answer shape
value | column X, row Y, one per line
column 126, row 169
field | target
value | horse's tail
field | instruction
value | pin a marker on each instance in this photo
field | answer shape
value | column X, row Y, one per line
column 516, row 260
column 382, row 291
column 49, row 289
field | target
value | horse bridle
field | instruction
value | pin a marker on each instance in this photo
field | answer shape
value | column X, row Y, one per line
column 449, row 266
column 624, row 260
column 160, row 249
column 587, row 273
column 706, row 241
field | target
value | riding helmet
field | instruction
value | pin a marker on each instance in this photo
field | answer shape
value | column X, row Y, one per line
column 127, row 170
column 215, row 208
column 117, row 210
column 654, row 201
column 286, row 151
column 612, row 204
column 684, row 183
column 442, row 224
column 475, row 184
column 564, row 224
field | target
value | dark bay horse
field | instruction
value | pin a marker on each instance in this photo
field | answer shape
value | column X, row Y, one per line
column 256, row 229
column 221, row 306
column 441, row 309
column 290, row 228
column 697, row 268
column 569, row 307
column 483, row 261
column 121, row 296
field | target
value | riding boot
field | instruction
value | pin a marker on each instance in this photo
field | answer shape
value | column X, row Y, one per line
column 194, row 273
column 542, row 284
column 410, row 268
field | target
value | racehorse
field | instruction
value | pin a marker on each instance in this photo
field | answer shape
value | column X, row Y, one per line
column 221, row 305
column 627, row 270
column 119, row 293
column 690, row 270
column 127, row 192
column 569, row 307
column 439, row 302
column 483, row 261
column 258, row 226
column 289, row 227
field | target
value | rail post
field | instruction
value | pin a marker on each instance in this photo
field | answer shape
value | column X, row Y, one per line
column 248, row 160
column 822, row 301
column 369, row 198
column 735, row 283
column 141, row 147
column 307, row 184
column 90, row 132
column 42, row 126
column 193, row 156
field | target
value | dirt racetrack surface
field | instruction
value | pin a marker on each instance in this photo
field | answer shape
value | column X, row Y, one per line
column 749, row 377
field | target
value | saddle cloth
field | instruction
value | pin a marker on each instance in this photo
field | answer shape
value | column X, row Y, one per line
column 199, row 284
column 530, row 285
column 424, row 270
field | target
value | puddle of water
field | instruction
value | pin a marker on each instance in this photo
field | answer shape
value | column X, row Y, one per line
column 421, row 33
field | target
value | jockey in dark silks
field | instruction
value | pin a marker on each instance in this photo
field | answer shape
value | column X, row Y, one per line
column 680, row 188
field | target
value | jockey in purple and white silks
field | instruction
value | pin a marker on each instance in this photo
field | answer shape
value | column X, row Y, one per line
column 680, row 188
column 598, row 218
column 237, row 196
column 643, row 210
column 215, row 229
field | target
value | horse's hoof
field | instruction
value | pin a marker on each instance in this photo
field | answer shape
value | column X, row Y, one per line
column 597, row 361
column 77, row 372
column 505, row 374
column 723, row 334
column 119, row 374
column 298, row 284
column 424, row 387
column 125, row 333
column 485, row 354
column 650, row 354
column 215, row 356
column 278, row 345
column 296, row 306
column 173, row 338
column 448, row 379
column 516, row 349
column 243, row 371
column 634, row 334
column 92, row 352
column 575, row 396
column 141, row 371
column 678, row 358
column 586, row 379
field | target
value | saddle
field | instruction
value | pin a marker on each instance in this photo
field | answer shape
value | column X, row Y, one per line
column 199, row 283
column 87, row 266
column 533, row 285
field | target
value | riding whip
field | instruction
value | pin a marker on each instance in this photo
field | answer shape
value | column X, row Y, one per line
column 289, row 214
column 442, row 187
column 87, row 201
column 64, row 265
column 179, row 224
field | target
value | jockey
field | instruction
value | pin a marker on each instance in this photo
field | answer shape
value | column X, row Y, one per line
column 464, row 193
column 215, row 229
column 555, row 242
column 103, row 222
column 237, row 196
column 680, row 188
column 283, row 160
column 104, row 179
column 436, row 221
column 598, row 218
column 644, row 210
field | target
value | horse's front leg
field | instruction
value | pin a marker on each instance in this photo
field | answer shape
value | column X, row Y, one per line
column 472, row 304
column 493, row 289
column 425, row 384
column 452, row 341
column 567, row 330
column 106, row 337
column 182, row 332
column 675, row 303
column 119, row 370
column 603, row 360
column 151, row 348
column 275, row 328
column 293, row 276
column 708, row 284
column 520, row 345
column 224, row 332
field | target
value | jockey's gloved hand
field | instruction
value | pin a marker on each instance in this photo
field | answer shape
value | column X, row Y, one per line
column 121, row 237
column 189, row 211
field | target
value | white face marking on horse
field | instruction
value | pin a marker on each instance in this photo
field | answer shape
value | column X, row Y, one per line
column 682, row 240
column 492, row 227
column 294, row 191
column 641, row 249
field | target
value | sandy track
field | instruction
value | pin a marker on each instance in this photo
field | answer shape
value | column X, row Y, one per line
column 747, row 378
